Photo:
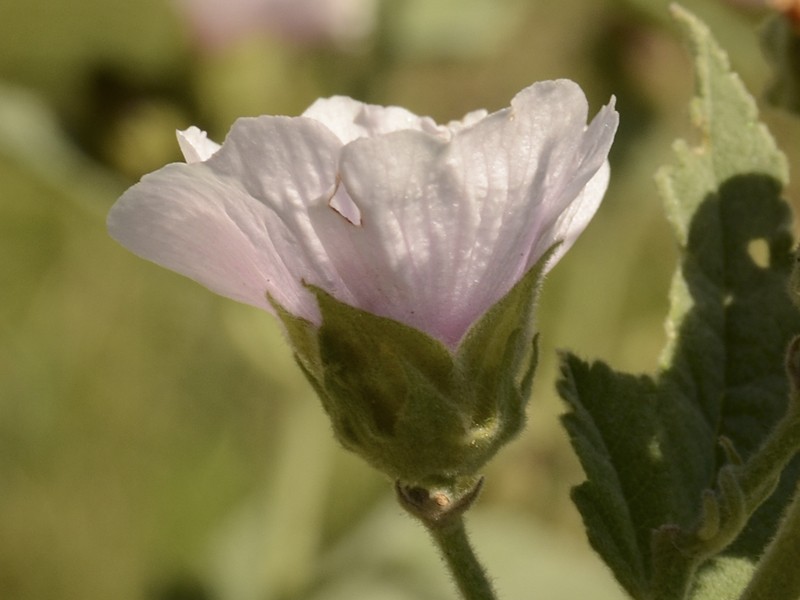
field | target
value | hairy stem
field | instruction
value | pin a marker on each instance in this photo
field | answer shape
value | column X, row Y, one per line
column 468, row 574
column 777, row 576
column 442, row 513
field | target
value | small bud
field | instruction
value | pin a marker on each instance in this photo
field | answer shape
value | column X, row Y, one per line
column 435, row 507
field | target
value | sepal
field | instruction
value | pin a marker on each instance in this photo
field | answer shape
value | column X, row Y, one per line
column 412, row 407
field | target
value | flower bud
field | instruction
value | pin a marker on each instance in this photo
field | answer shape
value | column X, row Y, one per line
column 410, row 406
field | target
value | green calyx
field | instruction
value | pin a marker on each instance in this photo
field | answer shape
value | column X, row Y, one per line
column 411, row 407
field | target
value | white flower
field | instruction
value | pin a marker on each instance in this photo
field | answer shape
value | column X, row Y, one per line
column 426, row 224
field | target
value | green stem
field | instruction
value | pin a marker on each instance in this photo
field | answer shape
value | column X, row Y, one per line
column 777, row 576
column 672, row 569
column 760, row 474
column 442, row 510
column 468, row 574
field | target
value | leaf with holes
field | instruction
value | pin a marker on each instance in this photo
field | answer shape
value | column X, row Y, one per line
column 649, row 445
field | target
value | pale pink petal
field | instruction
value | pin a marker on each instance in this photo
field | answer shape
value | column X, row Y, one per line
column 350, row 119
column 188, row 220
column 338, row 114
column 238, row 223
column 448, row 228
column 574, row 206
column 521, row 168
column 195, row 145
column 471, row 118
column 386, row 261
column 573, row 219
column 341, row 202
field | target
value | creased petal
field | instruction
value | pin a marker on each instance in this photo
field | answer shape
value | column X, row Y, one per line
column 577, row 202
column 238, row 223
column 521, row 168
column 448, row 228
column 387, row 262
column 350, row 119
column 471, row 118
column 573, row 219
column 195, row 145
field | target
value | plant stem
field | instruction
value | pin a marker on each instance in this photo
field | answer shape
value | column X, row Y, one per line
column 672, row 570
column 468, row 574
column 777, row 576
column 760, row 474
column 442, row 511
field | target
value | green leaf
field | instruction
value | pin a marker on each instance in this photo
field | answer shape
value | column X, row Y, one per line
column 649, row 446
column 619, row 467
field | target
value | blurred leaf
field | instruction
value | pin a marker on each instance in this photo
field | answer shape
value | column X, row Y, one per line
column 526, row 558
column 734, row 29
column 452, row 28
column 780, row 39
column 649, row 445
column 31, row 138
column 269, row 547
column 52, row 45
column 128, row 423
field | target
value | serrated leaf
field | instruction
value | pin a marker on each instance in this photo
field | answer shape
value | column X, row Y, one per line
column 606, row 501
column 650, row 446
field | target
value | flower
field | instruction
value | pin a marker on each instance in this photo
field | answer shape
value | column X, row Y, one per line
column 402, row 257
column 389, row 212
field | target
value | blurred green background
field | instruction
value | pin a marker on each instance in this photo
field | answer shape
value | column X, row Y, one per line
column 156, row 441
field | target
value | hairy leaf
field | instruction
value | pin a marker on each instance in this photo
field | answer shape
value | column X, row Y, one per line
column 650, row 445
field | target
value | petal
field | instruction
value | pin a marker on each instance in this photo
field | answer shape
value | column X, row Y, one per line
column 471, row 118
column 522, row 168
column 574, row 205
column 389, row 262
column 190, row 221
column 350, row 119
column 573, row 220
column 238, row 223
column 448, row 228
column 195, row 145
